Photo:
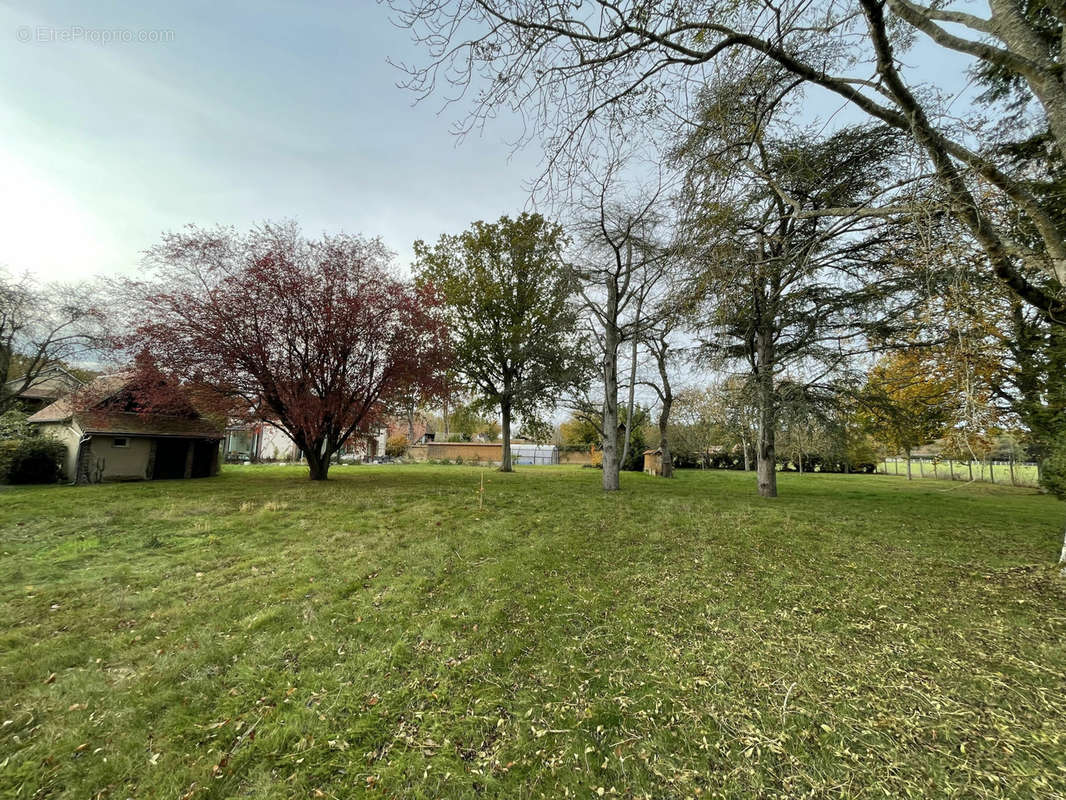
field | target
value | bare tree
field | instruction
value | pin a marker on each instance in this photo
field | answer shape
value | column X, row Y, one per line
column 574, row 71
column 42, row 327
column 617, row 268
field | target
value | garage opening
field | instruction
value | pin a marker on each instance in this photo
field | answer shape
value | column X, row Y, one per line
column 170, row 455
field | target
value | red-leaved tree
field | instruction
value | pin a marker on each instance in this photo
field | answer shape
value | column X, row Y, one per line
column 317, row 337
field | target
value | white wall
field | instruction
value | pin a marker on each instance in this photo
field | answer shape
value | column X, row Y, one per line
column 118, row 462
column 69, row 436
column 276, row 445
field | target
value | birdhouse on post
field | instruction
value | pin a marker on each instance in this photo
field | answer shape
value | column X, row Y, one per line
column 653, row 462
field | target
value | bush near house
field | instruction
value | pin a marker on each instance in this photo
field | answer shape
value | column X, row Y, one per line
column 13, row 425
column 31, row 459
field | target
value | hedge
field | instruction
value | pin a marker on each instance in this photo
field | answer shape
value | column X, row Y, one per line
column 35, row 459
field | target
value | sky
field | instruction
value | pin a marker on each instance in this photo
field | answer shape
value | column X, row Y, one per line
column 227, row 113
column 233, row 113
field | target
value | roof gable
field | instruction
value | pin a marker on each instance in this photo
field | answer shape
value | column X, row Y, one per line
column 108, row 405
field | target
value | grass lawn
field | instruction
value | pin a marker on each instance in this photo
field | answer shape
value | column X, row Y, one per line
column 257, row 635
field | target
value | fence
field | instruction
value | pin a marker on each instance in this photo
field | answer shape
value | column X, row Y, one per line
column 484, row 453
column 1012, row 473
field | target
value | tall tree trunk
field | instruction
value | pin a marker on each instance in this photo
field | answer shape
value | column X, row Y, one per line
column 610, row 423
column 664, row 439
column 610, row 386
column 747, row 454
column 445, row 402
column 765, row 454
column 505, row 431
column 908, row 454
column 411, row 424
column 668, row 402
column 632, row 385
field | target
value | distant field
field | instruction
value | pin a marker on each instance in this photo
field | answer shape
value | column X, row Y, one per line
column 1024, row 474
column 257, row 635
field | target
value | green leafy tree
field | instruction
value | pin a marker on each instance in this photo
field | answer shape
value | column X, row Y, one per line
column 785, row 289
column 536, row 430
column 465, row 422
column 509, row 302
column 907, row 403
column 578, row 431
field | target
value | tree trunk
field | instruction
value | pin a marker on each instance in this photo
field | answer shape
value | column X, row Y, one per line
column 610, row 386
column 951, row 468
column 445, row 420
column 1062, row 555
column 317, row 464
column 610, row 426
column 747, row 455
column 765, row 454
column 969, row 466
column 632, row 387
column 909, row 476
column 664, row 441
column 664, row 413
column 1012, row 480
column 505, row 431
column 991, row 469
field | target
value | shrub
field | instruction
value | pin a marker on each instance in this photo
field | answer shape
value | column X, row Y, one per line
column 35, row 459
column 13, row 425
column 396, row 446
column 1053, row 469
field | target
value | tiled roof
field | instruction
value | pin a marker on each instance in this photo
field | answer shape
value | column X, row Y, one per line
column 60, row 411
column 98, row 420
column 48, row 385
column 131, row 424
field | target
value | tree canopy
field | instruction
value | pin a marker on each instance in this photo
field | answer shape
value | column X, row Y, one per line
column 508, row 297
column 317, row 337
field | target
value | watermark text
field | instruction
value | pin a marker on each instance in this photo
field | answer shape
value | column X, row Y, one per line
column 48, row 34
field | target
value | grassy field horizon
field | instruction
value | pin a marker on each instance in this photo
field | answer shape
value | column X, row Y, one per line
column 390, row 632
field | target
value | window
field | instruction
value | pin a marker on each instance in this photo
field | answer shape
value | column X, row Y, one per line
column 120, row 441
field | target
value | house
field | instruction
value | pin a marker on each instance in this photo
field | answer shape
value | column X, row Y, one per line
column 418, row 431
column 46, row 387
column 261, row 441
column 109, row 437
